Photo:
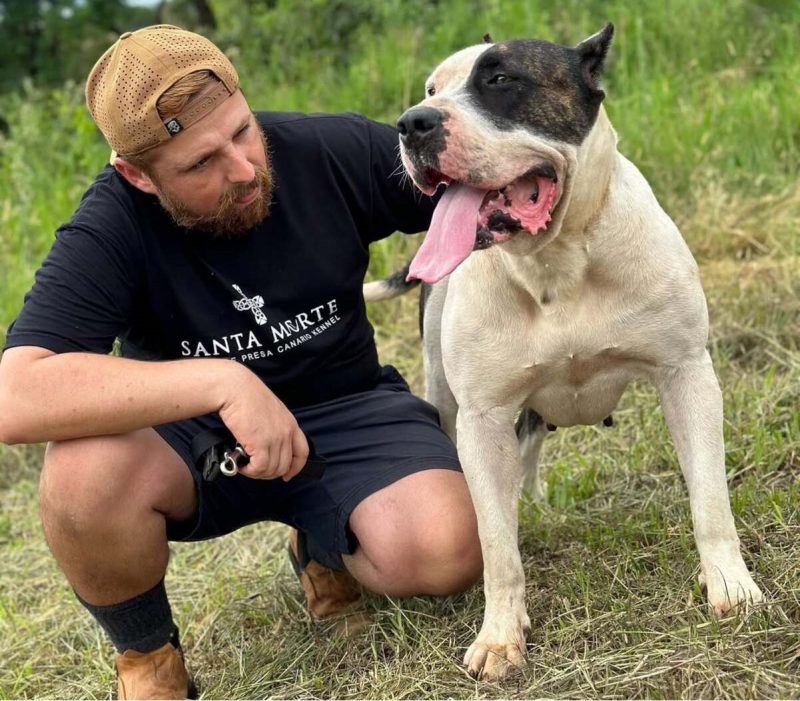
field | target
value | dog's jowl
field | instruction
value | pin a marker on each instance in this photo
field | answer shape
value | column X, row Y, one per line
column 556, row 280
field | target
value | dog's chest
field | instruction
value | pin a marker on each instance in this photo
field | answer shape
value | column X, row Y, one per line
column 578, row 361
column 563, row 344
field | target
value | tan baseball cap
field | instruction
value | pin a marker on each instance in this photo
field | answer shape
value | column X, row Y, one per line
column 125, row 84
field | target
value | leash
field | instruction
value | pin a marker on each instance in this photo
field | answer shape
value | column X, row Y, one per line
column 216, row 452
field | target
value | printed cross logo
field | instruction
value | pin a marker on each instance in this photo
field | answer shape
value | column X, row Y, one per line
column 250, row 304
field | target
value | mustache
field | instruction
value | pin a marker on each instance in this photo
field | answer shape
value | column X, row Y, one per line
column 237, row 191
column 227, row 202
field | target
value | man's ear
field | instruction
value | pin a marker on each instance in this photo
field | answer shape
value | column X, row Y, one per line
column 592, row 53
column 135, row 176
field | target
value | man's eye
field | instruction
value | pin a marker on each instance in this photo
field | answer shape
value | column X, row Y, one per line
column 243, row 130
column 200, row 164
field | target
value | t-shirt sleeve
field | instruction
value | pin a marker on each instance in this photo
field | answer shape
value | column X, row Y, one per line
column 355, row 156
column 396, row 205
column 83, row 294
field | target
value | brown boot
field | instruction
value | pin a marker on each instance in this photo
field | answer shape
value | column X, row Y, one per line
column 329, row 593
column 160, row 674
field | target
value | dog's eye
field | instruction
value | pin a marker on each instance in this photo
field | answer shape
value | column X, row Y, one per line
column 430, row 91
column 498, row 78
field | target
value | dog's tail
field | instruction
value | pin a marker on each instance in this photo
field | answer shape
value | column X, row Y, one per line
column 390, row 287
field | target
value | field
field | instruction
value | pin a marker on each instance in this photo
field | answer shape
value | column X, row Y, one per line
column 705, row 97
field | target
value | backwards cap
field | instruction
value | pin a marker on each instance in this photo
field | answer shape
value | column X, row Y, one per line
column 125, row 84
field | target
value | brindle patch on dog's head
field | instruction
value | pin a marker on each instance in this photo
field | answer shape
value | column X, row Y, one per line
column 552, row 90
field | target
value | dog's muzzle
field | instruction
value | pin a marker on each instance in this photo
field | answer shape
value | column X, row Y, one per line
column 419, row 123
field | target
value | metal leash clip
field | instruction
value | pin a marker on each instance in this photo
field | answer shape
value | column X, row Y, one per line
column 231, row 460
column 213, row 458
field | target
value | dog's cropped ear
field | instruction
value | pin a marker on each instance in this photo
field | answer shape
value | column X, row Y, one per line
column 487, row 38
column 593, row 52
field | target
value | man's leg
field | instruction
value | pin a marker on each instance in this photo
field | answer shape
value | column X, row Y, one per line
column 418, row 535
column 104, row 503
column 394, row 483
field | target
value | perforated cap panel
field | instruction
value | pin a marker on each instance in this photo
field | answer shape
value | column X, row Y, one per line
column 125, row 84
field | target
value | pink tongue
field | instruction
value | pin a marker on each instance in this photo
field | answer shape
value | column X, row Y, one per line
column 451, row 236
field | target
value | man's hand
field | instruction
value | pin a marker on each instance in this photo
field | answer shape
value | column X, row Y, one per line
column 264, row 427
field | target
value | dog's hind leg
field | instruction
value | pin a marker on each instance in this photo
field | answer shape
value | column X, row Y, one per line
column 438, row 393
column 531, row 433
column 437, row 390
column 692, row 403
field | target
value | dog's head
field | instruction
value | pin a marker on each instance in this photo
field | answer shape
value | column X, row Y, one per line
column 500, row 126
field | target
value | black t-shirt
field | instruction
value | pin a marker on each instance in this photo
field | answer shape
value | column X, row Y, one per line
column 284, row 299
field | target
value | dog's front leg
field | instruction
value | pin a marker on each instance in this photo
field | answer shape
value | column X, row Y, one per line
column 489, row 453
column 692, row 403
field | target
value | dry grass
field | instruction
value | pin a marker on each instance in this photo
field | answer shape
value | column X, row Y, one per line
column 721, row 225
column 711, row 117
column 610, row 560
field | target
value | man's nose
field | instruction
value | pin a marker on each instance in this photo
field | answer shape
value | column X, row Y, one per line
column 240, row 169
column 419, row 122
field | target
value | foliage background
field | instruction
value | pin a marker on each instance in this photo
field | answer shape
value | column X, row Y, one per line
column 705, row 97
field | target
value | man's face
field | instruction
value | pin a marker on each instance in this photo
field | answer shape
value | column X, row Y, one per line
column 215, row 176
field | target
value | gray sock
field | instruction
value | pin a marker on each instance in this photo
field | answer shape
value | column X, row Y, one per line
column 143, row 623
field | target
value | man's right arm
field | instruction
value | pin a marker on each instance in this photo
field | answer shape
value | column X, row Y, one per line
column 46, row 396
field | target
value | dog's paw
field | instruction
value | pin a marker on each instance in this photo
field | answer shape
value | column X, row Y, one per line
column 732, row 588
column 493, row 662
column 489, row 659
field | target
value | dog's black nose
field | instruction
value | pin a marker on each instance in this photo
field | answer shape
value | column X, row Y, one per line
column 419, row 121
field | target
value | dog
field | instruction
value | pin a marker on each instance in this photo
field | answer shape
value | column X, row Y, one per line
column 553, row 279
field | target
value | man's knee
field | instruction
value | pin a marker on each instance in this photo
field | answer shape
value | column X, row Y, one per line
column 445, row 559
column 452, row 555
column 75, row 492
column 421, row 535
column 88, row 483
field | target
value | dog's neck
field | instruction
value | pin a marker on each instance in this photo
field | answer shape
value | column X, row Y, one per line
column 597, row 160
column 554, row 272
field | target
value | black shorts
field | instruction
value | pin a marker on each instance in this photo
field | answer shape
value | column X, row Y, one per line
column 369, row 439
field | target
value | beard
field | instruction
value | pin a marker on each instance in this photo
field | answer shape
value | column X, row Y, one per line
column 227, row 219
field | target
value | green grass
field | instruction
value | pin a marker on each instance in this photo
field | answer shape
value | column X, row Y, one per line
column 611, row 567
column 705, row 97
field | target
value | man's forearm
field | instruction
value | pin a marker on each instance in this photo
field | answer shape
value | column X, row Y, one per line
column 73, row 395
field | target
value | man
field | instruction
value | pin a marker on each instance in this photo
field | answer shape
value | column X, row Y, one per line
column 221, row 235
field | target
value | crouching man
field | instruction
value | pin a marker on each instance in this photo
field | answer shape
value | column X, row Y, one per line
column 226, row 250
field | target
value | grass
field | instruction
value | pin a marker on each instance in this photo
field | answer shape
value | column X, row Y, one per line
column 705, row 99
column 610, row 560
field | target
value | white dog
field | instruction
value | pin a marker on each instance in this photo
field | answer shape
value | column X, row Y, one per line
column 581, row 283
